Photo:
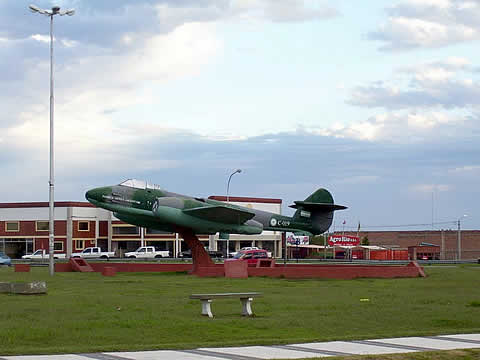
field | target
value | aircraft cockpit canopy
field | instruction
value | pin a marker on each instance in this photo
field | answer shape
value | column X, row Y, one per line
column 139, row 184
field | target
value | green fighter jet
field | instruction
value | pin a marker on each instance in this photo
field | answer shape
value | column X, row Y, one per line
column 147, row 205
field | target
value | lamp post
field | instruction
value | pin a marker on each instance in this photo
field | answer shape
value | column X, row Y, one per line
column 238, row 171
column 459, row 238
column 51, row 13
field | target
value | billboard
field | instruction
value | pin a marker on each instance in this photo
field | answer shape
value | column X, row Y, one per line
column 293, row 239
column 343, row 240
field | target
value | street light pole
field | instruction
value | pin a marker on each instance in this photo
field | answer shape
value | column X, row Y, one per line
column 230, row 178
column 459, row 238
column 238, row 171
column 51, row 215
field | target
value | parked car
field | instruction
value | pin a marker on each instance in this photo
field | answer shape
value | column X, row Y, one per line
column 251, row 256
column 147, row 252
column 232, row 254
column 41, row 254
column 5, row 260
column 93, row 253
column 212, row 253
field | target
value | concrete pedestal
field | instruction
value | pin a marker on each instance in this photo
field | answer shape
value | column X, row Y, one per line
column 236, row 269
column 109, row 271
column 22, row 267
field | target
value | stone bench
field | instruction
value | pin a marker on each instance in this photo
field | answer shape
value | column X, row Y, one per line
column 31, row 288
column 245, row 298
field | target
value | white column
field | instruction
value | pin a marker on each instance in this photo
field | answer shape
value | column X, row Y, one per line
column 97, row 231
column 211, row 243
column 177, row 250
column 109, row 231
column 69, row 232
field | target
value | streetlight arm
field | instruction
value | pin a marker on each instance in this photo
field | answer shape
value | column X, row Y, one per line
column 228, row 185
column 36, row 9
column 69, row 12
column 230, row 178
column 228, row 189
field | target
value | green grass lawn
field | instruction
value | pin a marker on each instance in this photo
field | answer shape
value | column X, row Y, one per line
column 86, row 312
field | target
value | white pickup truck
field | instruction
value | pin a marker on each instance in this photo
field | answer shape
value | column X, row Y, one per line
column 41, row 254
column 93, row 253
column 147, row 252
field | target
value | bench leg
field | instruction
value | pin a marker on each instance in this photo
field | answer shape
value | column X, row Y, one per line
column 246, row 306
column 206, row 309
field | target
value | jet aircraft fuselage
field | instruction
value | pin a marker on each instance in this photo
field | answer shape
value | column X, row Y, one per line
column 139, row 203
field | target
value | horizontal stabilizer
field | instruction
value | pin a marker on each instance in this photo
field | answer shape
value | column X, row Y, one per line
column 313, row 206
column 219, row 213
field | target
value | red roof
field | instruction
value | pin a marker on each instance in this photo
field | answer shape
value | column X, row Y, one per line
column 37, row 204
column 246, row 199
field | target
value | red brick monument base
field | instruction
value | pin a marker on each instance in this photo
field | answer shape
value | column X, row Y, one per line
column 289, row 271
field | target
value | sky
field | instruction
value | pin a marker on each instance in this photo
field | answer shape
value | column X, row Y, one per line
column 377, row 101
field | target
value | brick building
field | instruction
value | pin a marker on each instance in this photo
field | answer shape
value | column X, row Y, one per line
column 446, row 240
column 24, row 229
column 78, row 225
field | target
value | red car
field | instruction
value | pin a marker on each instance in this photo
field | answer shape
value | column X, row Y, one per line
column 251, row 256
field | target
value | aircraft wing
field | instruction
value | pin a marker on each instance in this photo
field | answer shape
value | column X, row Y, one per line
column 219, row 213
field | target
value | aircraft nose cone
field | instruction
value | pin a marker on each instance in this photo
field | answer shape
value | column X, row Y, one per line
column 90, row 195
column 95, row 194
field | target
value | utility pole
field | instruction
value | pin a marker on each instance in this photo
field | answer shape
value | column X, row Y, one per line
column 51, row 234
column 459, row 237
column 238, row 171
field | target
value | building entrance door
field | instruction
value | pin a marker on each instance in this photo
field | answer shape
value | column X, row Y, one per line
column 16, row 247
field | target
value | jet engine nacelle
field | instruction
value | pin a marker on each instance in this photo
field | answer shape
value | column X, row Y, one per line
column 173, row 202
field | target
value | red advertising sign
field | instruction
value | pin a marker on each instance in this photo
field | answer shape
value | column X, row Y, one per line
column 343, row 240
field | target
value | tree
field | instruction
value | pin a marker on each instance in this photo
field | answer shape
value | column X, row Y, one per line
column 317, row 240
column 365, row 240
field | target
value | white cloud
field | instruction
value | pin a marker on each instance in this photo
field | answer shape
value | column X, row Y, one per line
column 244, row 10
column 90, row 86
column 41, row 38
column 280, row 11
column 427, row 121
column 413, row 24
column 69, row 43
column 398, row 127
column 421, row 102
column 449, row 84
column 467, row 169
column 108, row 63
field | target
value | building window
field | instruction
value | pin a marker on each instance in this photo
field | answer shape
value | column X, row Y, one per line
column 12, row 226
column 83, row 226
column 125, row 230
column 58, row 246
column 155, row 231
column 79, row 244
column 42, row 225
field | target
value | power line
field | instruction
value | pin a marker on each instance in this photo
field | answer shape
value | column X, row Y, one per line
column 400, row 225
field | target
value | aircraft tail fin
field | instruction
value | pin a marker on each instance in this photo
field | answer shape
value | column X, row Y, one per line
column 318, row 208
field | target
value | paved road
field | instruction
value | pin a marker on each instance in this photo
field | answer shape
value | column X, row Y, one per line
column 291, row 351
